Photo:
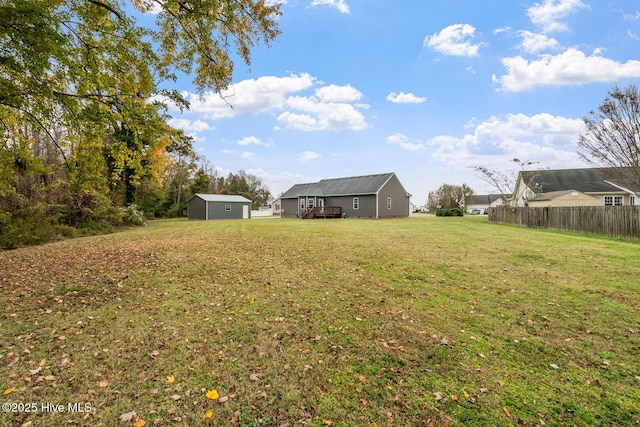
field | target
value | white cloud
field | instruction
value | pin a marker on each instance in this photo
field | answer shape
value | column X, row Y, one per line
column 341, row 5
column 315, row 115
column 454, row 40
column 247, row 155
column 335, row 93
column 250, row 96
column 190, row 125
column 252, row 140
column 405, row 98
column 548, row 13
column 502, row 30
column 571, row 67
column 281, row 181
column 534, row 43
column 545, row 138
column 405, row 142
column 309, row 155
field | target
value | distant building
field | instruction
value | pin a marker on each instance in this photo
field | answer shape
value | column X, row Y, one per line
column 482, row 202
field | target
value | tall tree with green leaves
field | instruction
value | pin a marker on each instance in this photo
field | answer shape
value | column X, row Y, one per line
column 87, row 67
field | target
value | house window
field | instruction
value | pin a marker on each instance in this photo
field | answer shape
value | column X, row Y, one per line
column 356, row 203
column 632, row 200
column 613, row 200
column 388, row 202
column 302, row 204
column 227, row 208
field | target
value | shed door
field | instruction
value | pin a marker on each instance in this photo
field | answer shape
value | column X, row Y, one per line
column 245, row 211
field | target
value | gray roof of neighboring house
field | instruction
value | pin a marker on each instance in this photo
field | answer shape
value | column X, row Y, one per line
column 367, row 184
column 587, row 180
column 222, row 198
column 487, row 199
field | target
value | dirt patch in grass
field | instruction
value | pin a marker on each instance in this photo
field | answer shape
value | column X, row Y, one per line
column 401, row 322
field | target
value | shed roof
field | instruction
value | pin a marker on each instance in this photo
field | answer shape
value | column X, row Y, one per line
column 366, row 184
column 229, row 198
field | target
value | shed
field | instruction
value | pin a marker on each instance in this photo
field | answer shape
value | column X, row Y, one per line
column 218, row 206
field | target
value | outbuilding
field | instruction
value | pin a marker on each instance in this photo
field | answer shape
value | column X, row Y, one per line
column 218, row 206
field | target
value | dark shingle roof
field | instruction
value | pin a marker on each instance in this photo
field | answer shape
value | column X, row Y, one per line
column 487, row 199
column 367, row 184
column 588, row 180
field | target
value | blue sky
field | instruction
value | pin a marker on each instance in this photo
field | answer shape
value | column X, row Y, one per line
column 426, row 89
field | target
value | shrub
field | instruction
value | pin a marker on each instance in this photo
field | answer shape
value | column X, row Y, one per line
column 450, row 212
column 133, row 216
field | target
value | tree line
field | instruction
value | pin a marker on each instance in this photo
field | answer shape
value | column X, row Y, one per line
column 83, row 107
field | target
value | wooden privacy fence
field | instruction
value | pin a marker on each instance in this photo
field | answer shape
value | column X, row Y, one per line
column 613, row 221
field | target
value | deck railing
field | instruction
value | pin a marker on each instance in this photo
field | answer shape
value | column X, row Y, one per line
column 322, row 212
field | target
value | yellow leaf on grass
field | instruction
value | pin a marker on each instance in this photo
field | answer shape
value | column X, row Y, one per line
column 209, row 413
column 139, row 423
column 9, row 390
column 212, row 394
column 170, row 379
column 506, row 411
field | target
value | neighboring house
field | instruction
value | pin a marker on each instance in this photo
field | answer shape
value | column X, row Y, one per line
column 218, row 206
column 370, row 196
column 574, row 187
column 276, row 206
column 481, row 202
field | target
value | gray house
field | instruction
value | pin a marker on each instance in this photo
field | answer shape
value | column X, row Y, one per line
column 370, row 196
column 218, row 206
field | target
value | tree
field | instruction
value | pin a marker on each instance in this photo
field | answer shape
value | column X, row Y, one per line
column 612, row 135
column 450, row 197
column 83, row 76
column 504, row 182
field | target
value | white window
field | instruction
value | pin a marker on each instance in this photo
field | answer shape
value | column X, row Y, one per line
column 301, row 204
column 227, row 208
column 613, row 200
column 388, row 202
column 632, row 200
column 356, row 203
column 310, row 203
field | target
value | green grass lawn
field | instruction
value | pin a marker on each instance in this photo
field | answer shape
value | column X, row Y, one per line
column 412, row 322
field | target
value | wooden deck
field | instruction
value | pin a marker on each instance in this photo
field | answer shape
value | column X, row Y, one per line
column 322, row 212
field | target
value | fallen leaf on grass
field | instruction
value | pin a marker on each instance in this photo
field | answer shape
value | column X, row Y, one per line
column 208, row 414
column 103, row 383
column 125, row 418
column 327, row 422
column 9, row 390
column 140, row 423
column 212, row 394
column 253, row 377
column 506, row 411
column 501, row 383
column 170, row 379
column 438, row 395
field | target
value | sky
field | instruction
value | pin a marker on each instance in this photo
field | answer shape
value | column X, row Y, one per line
column 425, row 89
